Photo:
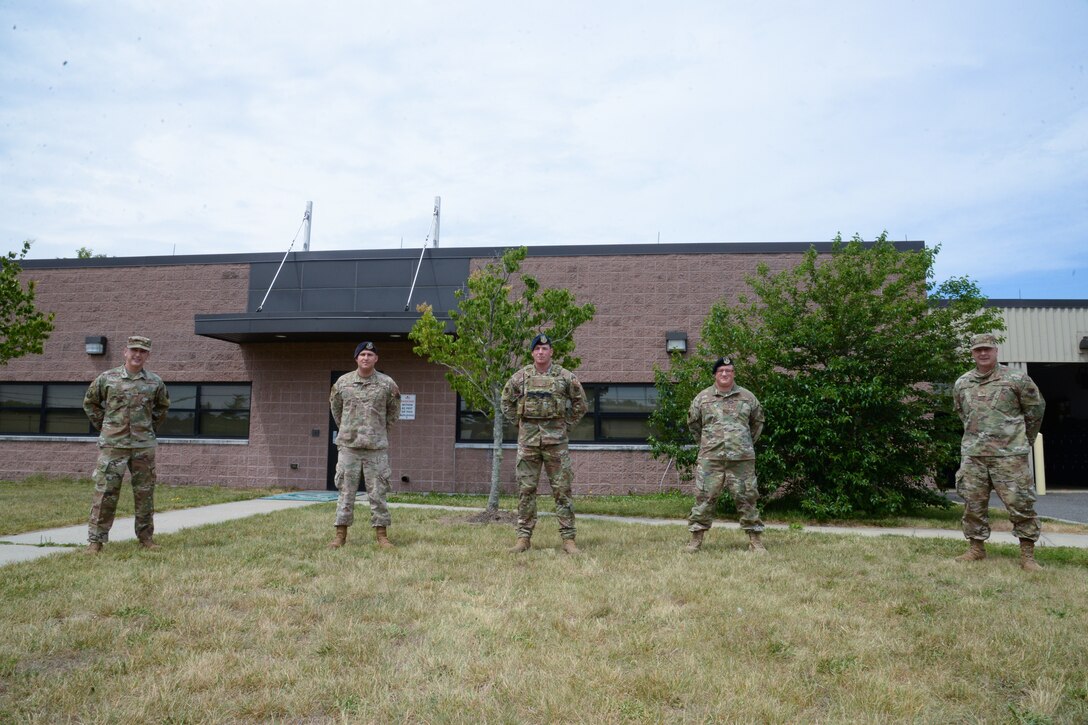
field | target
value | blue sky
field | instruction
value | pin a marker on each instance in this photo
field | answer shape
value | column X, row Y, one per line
column 152, row 128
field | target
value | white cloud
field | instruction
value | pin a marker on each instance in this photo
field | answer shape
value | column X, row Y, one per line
column 206, row 127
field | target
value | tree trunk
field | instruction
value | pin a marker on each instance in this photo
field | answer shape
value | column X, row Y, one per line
column 496, row 453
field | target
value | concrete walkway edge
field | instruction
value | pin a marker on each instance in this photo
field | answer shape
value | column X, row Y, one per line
column 36, row 544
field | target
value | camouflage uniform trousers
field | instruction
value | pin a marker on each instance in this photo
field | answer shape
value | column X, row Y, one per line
column 711, row 477
column 555, row 458
column 371, row 467
column 1010, row 477
column 109, row 471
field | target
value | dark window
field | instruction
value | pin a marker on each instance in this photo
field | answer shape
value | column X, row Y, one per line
column 618, row 413
column 43, row 409
column 208, row 410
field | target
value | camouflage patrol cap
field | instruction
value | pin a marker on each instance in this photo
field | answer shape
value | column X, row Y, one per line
column 540, row 339
column 984, row 340
column 721, row 362
column 365, row 346
column 139, row 342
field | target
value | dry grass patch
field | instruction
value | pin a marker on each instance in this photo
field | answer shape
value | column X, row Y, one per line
column 256, row 621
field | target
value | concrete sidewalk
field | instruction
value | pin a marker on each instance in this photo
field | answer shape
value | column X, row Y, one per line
column 36, row 544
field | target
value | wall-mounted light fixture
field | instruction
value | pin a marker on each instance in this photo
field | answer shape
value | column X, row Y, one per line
column 1084, row 344
column 676, row 341
column 95, row 345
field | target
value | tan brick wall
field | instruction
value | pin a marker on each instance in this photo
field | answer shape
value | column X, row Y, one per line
column 159, row 302
column 638, row 298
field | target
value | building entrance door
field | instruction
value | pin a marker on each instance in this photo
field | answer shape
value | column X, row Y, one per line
column 330, row 473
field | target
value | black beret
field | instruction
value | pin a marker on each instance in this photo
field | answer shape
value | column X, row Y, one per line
column 365, row 346
column 721, row 362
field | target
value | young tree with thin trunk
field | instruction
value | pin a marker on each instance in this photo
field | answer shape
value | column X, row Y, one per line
column 493, row 326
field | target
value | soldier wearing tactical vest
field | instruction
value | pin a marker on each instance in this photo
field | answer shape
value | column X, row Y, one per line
column 546, row 401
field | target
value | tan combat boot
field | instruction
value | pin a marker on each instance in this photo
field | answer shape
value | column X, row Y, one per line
column 569, row 547
column 755, row 543
column 149, row 544
column 696, row 542
column 1027, row 556
column 977, row 552
column 383, row 540
column 520, row 546
column 341, row 537
column 93, row 548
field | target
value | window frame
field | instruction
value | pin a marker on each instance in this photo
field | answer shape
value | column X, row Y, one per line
column 598, row 416
column 198, row 411
column 43, row 411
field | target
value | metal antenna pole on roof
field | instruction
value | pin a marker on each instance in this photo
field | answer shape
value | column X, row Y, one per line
column 306, row 221
column 419, row 264
column 308, row 217
column 437, row 218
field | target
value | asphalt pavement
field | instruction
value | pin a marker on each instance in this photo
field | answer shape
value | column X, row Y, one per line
column 1061, row 505
column 1070, row 506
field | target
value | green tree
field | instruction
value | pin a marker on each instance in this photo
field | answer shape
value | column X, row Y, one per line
column 23, row 328
column 852, row 355
column 493, row 327
column 87, row 253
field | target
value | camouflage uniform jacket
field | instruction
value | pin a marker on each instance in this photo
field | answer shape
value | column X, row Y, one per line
column 727, row 425
column 127, row 408
column 1001, row 412
column 364, row 409
column 544, row 405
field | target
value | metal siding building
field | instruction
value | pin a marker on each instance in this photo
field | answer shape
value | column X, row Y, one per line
column 1049, row 340
column 1044, row 330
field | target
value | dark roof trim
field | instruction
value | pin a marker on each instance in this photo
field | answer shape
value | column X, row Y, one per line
column 1024, row 304
column 1066, row 304
column 540, row 250
column 305, row 327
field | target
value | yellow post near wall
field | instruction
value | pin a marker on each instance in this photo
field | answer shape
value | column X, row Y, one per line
column 1040, row 470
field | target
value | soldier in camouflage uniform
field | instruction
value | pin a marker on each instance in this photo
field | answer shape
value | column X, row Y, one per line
column 727, row 420
column 546, row 401
column 127, row 405
column 1002, row 411
column 365, row 403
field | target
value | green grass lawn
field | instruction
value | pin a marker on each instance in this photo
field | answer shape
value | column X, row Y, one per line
column 45, row 503
column 256, row 621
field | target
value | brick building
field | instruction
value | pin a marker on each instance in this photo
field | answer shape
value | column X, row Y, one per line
column 250, row 388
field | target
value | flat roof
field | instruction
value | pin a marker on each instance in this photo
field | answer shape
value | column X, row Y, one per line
column 540, row 250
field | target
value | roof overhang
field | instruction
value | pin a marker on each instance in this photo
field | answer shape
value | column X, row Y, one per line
column 241, row 328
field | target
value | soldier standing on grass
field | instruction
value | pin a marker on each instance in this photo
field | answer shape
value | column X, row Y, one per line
column 726, row 420
column 365, row 403
column 546, row 401
column 127, row 405
column 1002, row 411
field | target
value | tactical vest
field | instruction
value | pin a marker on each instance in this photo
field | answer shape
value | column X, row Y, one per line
column 542, row 399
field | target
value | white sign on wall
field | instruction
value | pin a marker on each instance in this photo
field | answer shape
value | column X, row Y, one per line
column 408, row 407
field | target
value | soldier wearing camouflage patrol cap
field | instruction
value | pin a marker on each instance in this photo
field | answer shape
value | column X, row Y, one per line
column 365, row 404
column 1002, row 411
column 127, row 405
column 546, row 401
column 727, row 421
